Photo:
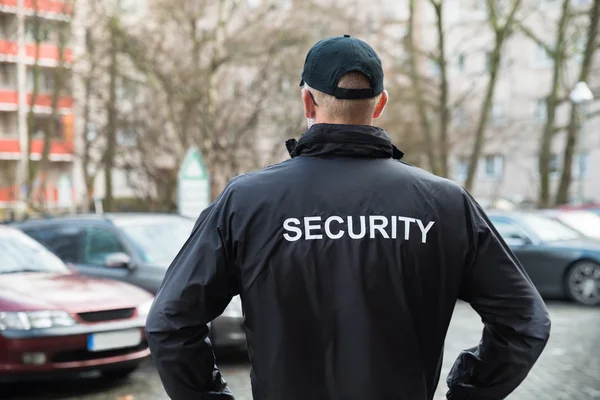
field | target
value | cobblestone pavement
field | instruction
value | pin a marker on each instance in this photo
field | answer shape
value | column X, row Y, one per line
column 569, row 369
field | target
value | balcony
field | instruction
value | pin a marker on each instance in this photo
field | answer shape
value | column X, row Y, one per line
column 60, row 150
column 8, row 195
column 9, row 101
column 46, row 8
column 49, row 53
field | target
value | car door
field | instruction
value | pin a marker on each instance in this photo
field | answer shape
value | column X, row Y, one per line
column 99, row 242
column 535, row 257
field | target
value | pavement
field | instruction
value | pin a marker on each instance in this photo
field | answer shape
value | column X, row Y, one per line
column 569, row 368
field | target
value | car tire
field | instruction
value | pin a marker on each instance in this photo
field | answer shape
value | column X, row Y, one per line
column 582, row 283
column 119, row 373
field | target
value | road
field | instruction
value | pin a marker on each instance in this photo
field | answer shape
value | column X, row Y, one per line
column 569, row 369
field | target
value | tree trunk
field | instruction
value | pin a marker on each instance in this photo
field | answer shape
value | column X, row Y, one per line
column 444, row 146
column 484, row 114
column 31, row 126
column 111, row 130
column 501, row 33
column 59, row 71
column 551, row 104
column 562, row 194
column 420, row 105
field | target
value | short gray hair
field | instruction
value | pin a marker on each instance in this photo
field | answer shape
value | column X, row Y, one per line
column 349, row 111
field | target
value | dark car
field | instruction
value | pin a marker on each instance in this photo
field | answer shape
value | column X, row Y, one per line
column 560, row 261
column 131, row 247
column 583, row 221
column 54, row 321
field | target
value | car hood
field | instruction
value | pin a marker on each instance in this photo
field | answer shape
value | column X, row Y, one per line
column 69, row 292
column 579, row 244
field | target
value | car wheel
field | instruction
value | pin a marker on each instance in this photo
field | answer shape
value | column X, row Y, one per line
column 119, row 373
column 583, row 283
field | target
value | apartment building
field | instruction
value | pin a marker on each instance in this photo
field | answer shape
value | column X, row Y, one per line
column 508, row 167
column 18, row 56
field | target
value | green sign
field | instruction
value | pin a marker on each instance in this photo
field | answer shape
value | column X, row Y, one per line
column 193, row 192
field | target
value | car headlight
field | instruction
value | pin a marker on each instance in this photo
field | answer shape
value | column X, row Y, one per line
column 234, row 309
column 26, row 320
column 144, row 308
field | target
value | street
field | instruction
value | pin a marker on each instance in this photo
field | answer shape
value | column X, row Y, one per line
column 569, row 368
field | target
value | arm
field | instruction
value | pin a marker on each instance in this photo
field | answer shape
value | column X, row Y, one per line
column 197, row 287
column 516, row 321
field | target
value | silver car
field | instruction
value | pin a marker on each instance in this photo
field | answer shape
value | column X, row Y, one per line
column 132, row 247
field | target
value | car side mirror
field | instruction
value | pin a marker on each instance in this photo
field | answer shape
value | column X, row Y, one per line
column 516, row 240
column 118, row 260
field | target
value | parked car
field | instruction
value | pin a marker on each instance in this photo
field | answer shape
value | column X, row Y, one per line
column 131, row 247
column 54, row 321
column 559, row 260
column 585, row 222
column 592, row 207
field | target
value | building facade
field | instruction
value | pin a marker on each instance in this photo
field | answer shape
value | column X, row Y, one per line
column 21, row 105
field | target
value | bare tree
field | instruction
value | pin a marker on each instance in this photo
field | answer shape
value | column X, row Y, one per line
column 36, row 29
column 557, row 52
column 417, row 83
column 591, row 46
column 502, row 24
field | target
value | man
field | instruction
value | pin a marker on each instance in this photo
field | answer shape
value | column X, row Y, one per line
column 349, row 264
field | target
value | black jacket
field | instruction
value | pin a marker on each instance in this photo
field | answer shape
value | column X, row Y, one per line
column 349, row 264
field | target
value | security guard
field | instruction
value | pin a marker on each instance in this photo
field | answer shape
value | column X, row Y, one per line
column 349, row 263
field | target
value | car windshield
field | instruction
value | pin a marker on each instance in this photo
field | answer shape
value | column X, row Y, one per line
column 585, row 222
column 159, row 239
column 548, row 229
column 20, row 253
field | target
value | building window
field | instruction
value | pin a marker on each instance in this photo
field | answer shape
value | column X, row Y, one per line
column 461, row 168
column 581, row 166
column 542, row 58
column 554, row 165
column 460, row 117
column 494, row 166
column 462, row 63
column 488, row 61
column 285, row 3
column 541, row 111
column 497, row 114
column 392, row 9
column 434, row 68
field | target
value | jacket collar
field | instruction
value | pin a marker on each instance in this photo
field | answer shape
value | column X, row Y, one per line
column 344, row 140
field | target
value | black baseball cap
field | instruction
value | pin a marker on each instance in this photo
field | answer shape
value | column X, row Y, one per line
column 331, row 58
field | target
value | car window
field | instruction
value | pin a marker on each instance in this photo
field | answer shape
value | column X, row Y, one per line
column 507, row 229
column 100, row 243
column 20, row 253
column 63, row 241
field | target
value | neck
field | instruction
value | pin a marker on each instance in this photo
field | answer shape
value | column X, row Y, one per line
column 345, row 121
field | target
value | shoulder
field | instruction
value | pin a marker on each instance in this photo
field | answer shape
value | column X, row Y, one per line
column 258, row 178
column 427, row 180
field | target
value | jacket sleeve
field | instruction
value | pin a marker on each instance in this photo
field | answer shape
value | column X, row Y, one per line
column 197, row 288
column 516, row 321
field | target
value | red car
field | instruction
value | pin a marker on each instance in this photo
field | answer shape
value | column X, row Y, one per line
column 54, row 321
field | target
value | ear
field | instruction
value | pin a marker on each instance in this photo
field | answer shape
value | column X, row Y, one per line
column 309, row 105
column 381, row 105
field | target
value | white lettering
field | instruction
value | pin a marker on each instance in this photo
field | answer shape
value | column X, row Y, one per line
column 407, row 222
column 287, row 225
column 337, row 227
column 328, row 227
column 308, row 228
column 424, row 230
column 363, row 228
column 378, row 226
